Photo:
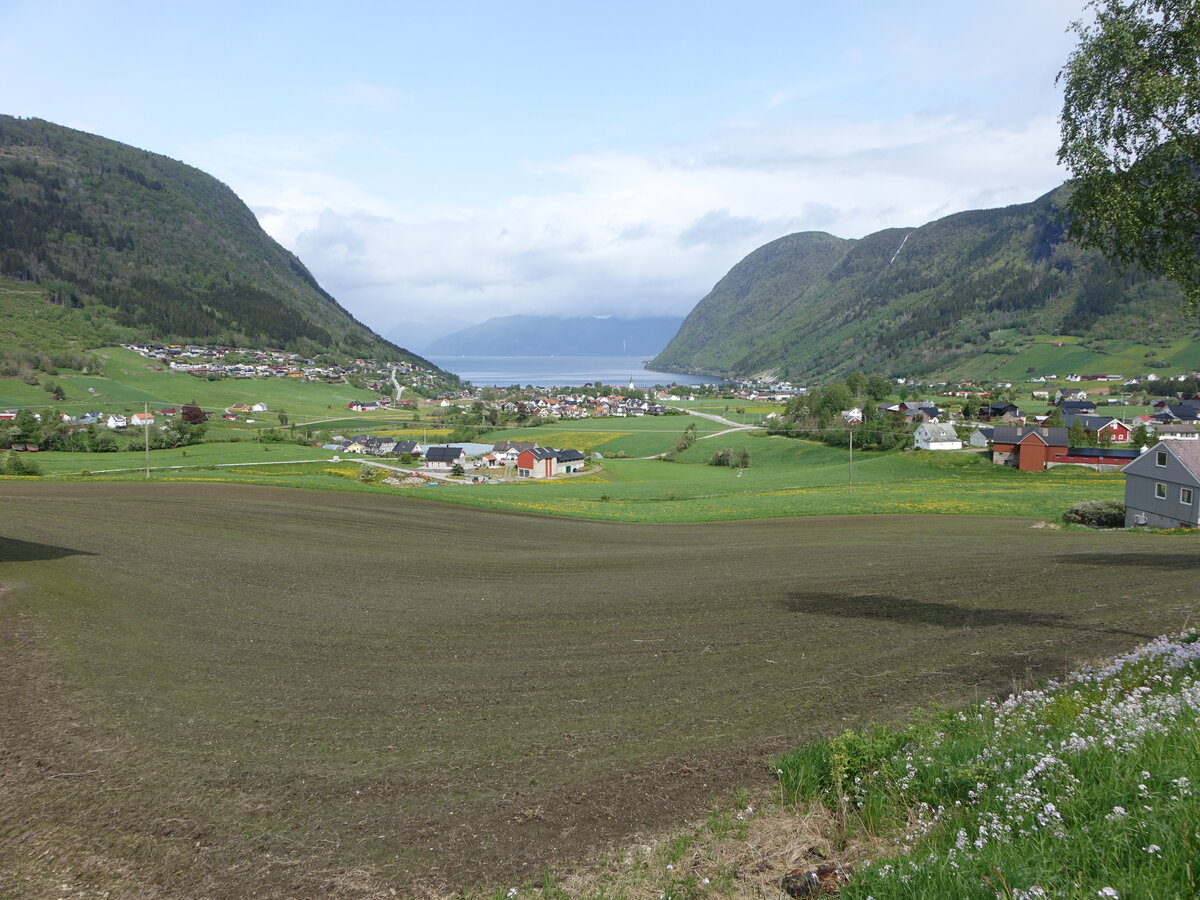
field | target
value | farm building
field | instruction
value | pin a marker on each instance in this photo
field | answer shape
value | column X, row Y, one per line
column 1027, row 448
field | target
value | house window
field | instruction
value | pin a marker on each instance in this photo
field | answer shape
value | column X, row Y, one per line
column 1185, row 496
column 1160, row 458
column 1160, row 491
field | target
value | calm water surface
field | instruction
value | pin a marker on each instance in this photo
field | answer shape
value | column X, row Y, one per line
column 560, row 370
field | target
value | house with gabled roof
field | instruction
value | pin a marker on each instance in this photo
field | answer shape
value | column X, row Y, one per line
column 933, row 436
column 444, row 457
column 1097, row 426
column 1178, row 412
column 1028, row 448
column 1002, row 413
column 1162, row 486
column 1077, row 407
column 981, row 437
column 1175, row 431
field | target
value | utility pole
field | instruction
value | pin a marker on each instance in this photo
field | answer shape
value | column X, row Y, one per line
column 851, row 481
column 146, row 434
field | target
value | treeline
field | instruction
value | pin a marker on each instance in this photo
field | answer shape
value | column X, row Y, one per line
column 818, row 416
column 22, row 363
column 51, row 433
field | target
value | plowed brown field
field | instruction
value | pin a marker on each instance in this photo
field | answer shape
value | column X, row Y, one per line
column 214, row 691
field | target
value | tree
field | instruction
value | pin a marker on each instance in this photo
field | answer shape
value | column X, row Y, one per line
column 837, row 398
column 192, row 414
column 283, row 417
column 1131, row 137
column 1055, row 419
column 1077, row 434
column 857, row 383
column 878, row 388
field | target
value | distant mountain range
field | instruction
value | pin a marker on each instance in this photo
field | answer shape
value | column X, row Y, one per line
column 559, row 336
column 913, row 301
column 130, row 244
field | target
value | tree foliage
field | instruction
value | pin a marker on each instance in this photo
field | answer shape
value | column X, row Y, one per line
column 1131, row 137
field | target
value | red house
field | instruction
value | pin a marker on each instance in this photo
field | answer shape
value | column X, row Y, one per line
column 1028, row 449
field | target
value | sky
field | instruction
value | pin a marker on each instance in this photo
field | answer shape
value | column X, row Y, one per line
column 435, row 165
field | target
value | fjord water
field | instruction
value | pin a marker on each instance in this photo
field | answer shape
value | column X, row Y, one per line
column 564, row 371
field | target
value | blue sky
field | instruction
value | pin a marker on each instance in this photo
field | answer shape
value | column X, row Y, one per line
column 438, row 164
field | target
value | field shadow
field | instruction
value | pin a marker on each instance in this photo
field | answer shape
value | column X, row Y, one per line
column 1177, row 562
column 16, row 550
column 907, row 611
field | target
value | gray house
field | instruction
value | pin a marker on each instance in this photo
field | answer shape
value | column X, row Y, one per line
column 1162, row 486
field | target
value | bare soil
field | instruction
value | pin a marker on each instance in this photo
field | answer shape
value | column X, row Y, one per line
column 219, row 691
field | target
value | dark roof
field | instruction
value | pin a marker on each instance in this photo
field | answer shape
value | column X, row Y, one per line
column 1014, row 434
column 405, row 447
column 568, row 455
column 501, row 446
column 1181, row 412
column 443, row 454
column 1090, row 422
column 542, row 452
column 1076, row 406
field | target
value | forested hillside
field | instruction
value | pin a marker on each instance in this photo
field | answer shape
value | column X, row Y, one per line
column 148, row 244
column 912, row 301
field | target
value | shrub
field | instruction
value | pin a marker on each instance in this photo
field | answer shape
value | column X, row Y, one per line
column 15, row 464
column 1096, row 514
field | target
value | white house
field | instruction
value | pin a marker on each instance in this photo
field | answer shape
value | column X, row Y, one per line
column 936, row 437
column 116, row 421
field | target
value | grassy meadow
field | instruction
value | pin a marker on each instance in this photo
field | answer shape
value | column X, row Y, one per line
column 224, row 690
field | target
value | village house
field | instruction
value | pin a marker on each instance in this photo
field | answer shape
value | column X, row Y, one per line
column 444, row 457
column 1175, row 431
column 1027, row 448
column 981, row 437
column 1002, row 414
column 1097, row 427
column 933, row 436
column 1161, row 486
column 1077, row 407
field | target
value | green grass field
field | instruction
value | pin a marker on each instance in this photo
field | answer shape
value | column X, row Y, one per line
column 798, row 478
column 786, row 478
column 224, row 690
column 1039, row 354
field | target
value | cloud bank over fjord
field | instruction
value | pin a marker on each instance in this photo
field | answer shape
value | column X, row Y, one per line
column 637, row 233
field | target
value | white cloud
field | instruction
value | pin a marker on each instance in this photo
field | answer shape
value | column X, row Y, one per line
column 634, row 233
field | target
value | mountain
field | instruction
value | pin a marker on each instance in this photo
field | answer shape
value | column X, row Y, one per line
column 559, row 336
column 130, row 243
column 913, row 301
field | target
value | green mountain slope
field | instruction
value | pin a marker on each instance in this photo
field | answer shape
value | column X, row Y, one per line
column 147, row 246
column 915, row 301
